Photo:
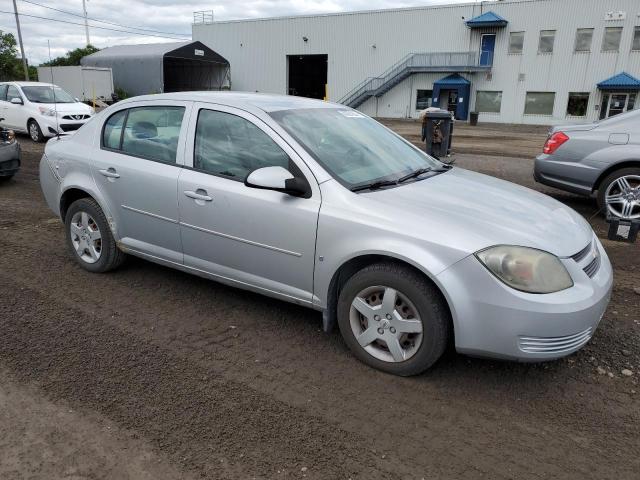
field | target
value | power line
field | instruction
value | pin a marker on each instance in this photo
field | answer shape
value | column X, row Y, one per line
column 102, row 21
column 92, row 26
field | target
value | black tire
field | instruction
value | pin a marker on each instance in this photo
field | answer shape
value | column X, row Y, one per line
column 431, row 306
column 612, row 177
column 111, row 257
column 34, row 131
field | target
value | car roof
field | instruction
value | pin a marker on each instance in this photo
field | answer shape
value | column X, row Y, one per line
column 243, row 100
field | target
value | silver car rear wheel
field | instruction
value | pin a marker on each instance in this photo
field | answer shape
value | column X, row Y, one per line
column 86, row 237
column 386, row 324
column 622, row 197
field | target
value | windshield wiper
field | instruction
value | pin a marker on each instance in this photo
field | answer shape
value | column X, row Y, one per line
column 414, row 174
column 374, row 185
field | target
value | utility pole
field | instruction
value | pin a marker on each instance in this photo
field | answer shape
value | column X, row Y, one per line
column 86, row 21
column 24, row 59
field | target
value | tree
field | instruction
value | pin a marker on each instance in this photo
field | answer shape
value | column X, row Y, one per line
column 72, row 57
column 10, row 63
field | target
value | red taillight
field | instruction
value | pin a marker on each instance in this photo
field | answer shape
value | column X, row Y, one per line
column 553, row 142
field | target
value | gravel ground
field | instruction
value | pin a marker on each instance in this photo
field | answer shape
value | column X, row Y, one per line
column 151, row 373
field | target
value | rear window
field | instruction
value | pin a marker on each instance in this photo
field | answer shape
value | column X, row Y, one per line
column 145, row 132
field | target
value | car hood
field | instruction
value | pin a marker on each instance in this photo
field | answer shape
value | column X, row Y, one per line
column 77, row 107
column 470, row 211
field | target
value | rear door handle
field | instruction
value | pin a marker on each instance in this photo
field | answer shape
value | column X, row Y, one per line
column 110, row 173
column 199, row 194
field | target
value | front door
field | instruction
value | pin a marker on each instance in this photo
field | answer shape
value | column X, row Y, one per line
column 487, row 46
column 616, row 103
column 257, row 238
column 449, row 100
column 137, row 169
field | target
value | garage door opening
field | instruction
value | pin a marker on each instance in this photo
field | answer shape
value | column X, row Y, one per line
column 307, row 75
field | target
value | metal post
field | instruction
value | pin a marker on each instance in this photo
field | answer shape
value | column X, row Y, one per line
column 86, row 21
column 24, row 59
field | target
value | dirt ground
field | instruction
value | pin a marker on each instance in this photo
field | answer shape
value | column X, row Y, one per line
column 149, row 373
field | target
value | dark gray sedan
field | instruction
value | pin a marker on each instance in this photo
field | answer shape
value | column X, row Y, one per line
column 601, row 159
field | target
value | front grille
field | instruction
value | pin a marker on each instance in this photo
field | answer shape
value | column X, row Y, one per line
column 70, row 127
column 591, row 255
column 75, row 117
column 554, row 344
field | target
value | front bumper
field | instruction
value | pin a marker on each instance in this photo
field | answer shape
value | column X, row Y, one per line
column 9, row 159
column 494, row 320
column 50, row 127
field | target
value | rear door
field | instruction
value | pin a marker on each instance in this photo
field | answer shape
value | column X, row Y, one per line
column 137, row 167
column 258, row 238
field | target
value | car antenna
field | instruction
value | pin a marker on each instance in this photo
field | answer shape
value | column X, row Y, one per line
column 53, row 89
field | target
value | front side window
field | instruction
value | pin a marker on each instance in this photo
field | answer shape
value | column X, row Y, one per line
column 584, row 36
column 47, row 94
column 146, row 132
column 231, row 146
column 547, row 38
column 577, row 105
column 12, row 92
column 539, row 103
column 3, row 92
column 635, row 45
column 516, row 42
column 353, row 148
column 423, row 99
column 611, row 40
column 488, row 102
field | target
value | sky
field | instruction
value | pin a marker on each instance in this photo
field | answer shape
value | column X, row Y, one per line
column 170, row 19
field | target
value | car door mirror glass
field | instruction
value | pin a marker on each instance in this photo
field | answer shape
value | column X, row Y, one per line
column 279, row 179
column 17, row 101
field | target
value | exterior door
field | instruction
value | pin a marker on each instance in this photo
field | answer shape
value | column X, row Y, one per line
column 137, row 169
column 257, row 238
column 14, row 114
column 487, row 46
column 616, row 103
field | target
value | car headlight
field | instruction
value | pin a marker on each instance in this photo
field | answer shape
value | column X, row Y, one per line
column 47, row 112
column 526, row 269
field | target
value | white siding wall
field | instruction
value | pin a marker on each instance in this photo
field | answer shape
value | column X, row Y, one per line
column 258, row 49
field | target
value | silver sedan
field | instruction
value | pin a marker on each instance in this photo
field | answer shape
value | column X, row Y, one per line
column 317, row 204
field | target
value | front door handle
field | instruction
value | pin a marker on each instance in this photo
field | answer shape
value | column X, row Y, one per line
column 110, row 173
column 199, row 194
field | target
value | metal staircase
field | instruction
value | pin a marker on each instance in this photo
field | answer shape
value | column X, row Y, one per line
column 415, row 63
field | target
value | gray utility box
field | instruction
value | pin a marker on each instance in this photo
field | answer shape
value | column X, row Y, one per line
column 437, row 132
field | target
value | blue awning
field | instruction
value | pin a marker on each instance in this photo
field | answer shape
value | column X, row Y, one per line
column 621, row 81
column 488, row 19
column 453, row 80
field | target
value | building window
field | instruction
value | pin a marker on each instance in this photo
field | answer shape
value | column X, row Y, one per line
column 577, row 105
column 636, row 39
column 488, row 102
column 539, row 103
column 583, row 39
column 423, row 99
column 516, row 42
column 547, row 37
column 611, row 40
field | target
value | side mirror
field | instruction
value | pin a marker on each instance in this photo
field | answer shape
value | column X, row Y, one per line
column 17, row 101
column 278, row 179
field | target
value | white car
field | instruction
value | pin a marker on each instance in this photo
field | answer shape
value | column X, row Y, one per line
column 41, row 109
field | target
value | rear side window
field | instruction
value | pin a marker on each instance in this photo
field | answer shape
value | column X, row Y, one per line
column 146, row 132
column 230, row 146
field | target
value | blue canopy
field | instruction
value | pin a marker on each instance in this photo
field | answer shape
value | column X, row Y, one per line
column 488, row 19
column 621, row 81
column 455, row 79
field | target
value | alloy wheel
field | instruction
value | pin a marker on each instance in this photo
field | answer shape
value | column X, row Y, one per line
column 622, row 197
column 386, row 324
column 86, row 237
column 33, row 132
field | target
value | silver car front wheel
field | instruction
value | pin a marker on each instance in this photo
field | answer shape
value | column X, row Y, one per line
column 386, row 324
column 622, row 197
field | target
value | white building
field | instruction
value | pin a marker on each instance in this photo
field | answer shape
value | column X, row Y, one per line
column 515, row 61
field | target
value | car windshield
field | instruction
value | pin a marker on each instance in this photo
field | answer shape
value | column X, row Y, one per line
column 47, row 94
column 354, row 148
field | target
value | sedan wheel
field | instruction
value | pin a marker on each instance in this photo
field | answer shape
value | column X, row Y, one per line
column 386, row 324
column 393, row 318
column 34, row 131
column 86, row 237
column 622, row 195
